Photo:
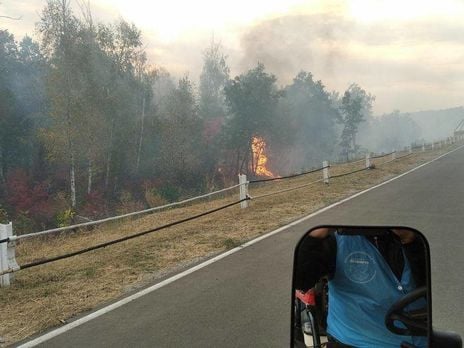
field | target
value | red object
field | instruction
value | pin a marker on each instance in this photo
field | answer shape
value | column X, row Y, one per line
column 308, row 298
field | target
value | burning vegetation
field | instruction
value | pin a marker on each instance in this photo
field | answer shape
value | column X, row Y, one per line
column 136, row 137
column 258, row 147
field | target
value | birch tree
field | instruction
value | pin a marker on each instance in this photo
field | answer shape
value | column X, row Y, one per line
column 180, row 155
column 212, row 107
column 214, row 77
column 59, row 30
column 122, row 43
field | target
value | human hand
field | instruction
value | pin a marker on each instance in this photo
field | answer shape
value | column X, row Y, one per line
column 406, row 236
column 320, row 233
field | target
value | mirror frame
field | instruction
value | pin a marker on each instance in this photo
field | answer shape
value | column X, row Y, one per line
column 366, row 227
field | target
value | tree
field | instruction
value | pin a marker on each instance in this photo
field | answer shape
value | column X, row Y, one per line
column 356, row 105
column 213, row 79
column 59, row 29
column 212, row 106
column 311, row 118
column 252, row 99
column 180, row 155
column 145, row 79
column 8, row 117
column 97, row 89
column 123, row 45
column 162, row 87
column 21, row 102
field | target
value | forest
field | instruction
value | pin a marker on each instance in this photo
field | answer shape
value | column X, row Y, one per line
column 89, row 128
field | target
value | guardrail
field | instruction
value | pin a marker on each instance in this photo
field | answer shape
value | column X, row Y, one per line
column 8, row 264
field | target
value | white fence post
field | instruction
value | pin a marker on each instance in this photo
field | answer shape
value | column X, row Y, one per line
column 242, row 180
column 433, row 145
column 7, row 255
column 4, row 279
column 368, row 160
column 325, row 171
column 410, row 149
column 393, row 155
column 423, row 146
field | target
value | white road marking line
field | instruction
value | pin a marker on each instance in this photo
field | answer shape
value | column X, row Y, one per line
column 172, row 279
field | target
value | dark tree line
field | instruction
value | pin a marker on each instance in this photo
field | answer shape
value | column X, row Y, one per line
column 89, row 128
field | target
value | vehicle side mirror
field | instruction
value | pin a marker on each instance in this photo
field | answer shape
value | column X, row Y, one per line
column 360, row 286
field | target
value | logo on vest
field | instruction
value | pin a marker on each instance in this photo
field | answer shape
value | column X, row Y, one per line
column 360, row 267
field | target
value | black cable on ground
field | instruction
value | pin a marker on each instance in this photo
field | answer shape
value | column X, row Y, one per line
column 345, row 174
column 380, row 156
column 288, row 176
column 119, row 240
column 409, row 154
column 348, row 162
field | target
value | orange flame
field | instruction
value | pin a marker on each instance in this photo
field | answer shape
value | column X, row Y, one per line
column 258, row 146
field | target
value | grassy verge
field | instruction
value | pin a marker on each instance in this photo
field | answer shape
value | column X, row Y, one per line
column 49, row 295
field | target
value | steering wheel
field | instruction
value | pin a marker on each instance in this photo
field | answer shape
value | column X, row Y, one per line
column 415, row 321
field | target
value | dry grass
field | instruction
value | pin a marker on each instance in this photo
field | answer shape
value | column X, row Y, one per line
column 48, row 295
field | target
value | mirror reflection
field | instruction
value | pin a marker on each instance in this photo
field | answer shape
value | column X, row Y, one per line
column 360, row 287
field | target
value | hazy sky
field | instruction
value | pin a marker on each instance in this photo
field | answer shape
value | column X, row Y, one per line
column 408, row 53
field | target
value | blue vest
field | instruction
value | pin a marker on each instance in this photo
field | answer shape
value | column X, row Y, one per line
column 361, row 292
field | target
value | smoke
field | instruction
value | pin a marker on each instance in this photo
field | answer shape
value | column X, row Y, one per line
column 287, row 45
column 438, row 124
column 386, row 59
column 408, row 65
column 397, row 130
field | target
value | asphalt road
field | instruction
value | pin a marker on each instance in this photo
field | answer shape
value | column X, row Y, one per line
column 243, row 300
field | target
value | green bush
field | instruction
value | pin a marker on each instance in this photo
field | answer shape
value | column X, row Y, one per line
column 24, row 224
column 153, row 198
column 127, row 203
column 170, row 193
column 65, row 218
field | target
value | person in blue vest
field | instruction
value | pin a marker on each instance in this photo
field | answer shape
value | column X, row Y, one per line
column 367, row 274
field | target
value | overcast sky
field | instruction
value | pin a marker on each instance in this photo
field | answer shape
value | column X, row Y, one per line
column 409, row 54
